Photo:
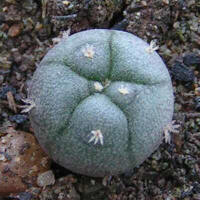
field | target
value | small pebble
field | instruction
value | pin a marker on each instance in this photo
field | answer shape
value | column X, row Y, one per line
column 120, row 25
column 16, row 55
column 46, row 178
column 20, row 163
column 1, row 79
column 4, row 90
column 15, row 30
column 191, row 59
column 5, row 64
column 2, row 18
column 19, row 119
column 25, row 196
column 197, row 103
column 23, row 68
column 182, row 73
column 18, row 76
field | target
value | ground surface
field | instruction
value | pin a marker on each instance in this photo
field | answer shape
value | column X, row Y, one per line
column 29, row 28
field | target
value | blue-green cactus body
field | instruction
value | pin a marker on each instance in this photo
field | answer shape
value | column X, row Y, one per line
column 102, row 101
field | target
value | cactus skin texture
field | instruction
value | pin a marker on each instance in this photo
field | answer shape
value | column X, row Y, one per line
column 102, row 102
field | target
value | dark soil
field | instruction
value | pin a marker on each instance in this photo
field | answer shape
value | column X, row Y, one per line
column 29, row 28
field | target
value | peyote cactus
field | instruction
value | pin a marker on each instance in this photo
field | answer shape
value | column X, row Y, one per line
column 102, row 100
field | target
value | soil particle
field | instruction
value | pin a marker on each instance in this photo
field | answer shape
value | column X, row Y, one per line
column 197, row 103
column 25, row 196
column 46, row 178
column 182, row 73
column 191, row 59
column 63, row 189
column 20, row 162
column 4, row 90
column 15, row 30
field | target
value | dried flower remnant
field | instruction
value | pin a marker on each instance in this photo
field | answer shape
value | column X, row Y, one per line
column 88, row 51
column 98, row 86
column 97, row 136
column 56, row 40
column 29, row 107
column 106, row 83
column 62, row 35
column 66, row 3
column 123, row 90
column 152, row 47
column 170, row 128
column 65, row 34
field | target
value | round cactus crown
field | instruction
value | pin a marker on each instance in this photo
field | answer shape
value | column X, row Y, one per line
column 102, row 99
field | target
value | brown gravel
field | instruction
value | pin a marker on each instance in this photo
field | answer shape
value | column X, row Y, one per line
column 27, row 30
column 21, row 162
